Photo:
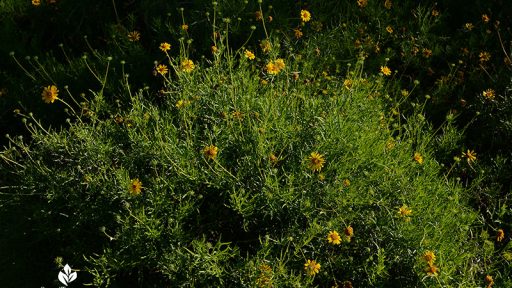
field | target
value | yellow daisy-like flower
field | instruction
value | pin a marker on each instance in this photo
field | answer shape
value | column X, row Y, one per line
column 214, row 49
column 389, row 29
column 334, row 238
column 362, row 3
column 388, row 4
column 162, row 69
column 50, row 94
column 470, row 156
column 469, row 26
column 404, row 211
column 484, row 56
column 249, row 55
column 210, row 152
column 36, row 2
column 312, row 267
column 385, row 70
column 279, row 63
column 489, row 280
column 134, row 36
column 184, row 27
column 489, row 94
column 316, row 161
column 298, row 33
column 135, row 187
column 187, row 65
column 432, row 270
column 500, row 235
column 165, row 46
column 429, row 257
column 349, row 231
column 305, row 16
column 418, row 158
column 265, row 46
column 272, row 68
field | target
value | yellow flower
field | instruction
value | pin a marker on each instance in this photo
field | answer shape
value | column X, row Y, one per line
column 316, row 161
column 273, row 158
column 265, row 46
column 349, row 231
column 311, row 267
column 214, row 49
column 385, row 70
column 334, row 238
column 280, row 63
column 500, row 235
column 388, row 4
column 272, row 68
column 134, row 36
column 258, row 15
column 389, row 29
column 249, row 55
column 470, row 156
column 182, row 103
column 429, row 257
column 346, row 183
column 36, row 2
column 162, row 69
column 484, row 56
column 404, row 211
column 265, row 277
column 489, row 94
column 485, row 18
column 469, row 26
column 418, row 158
column 362, row 3
column 184, row 27
column 489, row 281
column 210, row 152
column 298, row 33
column 305, row 16
column 165, row 46
column 427, row 52
column 435, row 13
column 135, row 187
column 432, row 270
column 50, row 94
column 187, row 65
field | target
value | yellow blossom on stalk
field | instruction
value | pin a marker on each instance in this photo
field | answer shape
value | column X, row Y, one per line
column 347, row 83
column 187, row 65
column 429, row 257
column 432, row 270
column 36, row 2
column 362, row 3
column 312, row 267
column 346, row 183
column 388, row 4
column 349, row 231
column 385, row 70
column 265, row 46
column 165, row 46
column 418, row 158
column 484, row 56
column 404, row 211
column 427, row 52
column 435, row 13
column 210, row 152
column 50, row 94
column 184, row 27
column 214, row 49
column 469, row 26
column 489, row 94
column 500, row 235
column 298, row 33
column 470, row 156
column 134, row 36
column 135, row 187
column 316, row 161
column 272, row 68
column 305, row 16
column 389, row 29
column 485, row 18
column 489, row 281
column 162, row 69
column 249, row 55
column 334, row 238
column 279, row 63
